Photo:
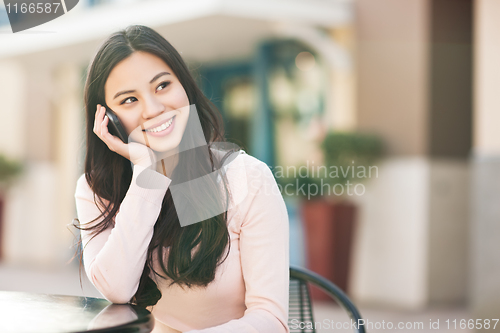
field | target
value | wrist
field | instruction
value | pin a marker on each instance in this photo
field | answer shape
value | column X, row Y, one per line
column 148, row 178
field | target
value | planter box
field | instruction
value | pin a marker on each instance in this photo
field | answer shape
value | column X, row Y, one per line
column 2, row 205
column 329, row 231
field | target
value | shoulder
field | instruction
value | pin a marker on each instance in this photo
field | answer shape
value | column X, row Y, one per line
column 82, row 187
column 262, row 206
column 248, row 176
column 241, row 166
column 86, row 199
column 257, row 171
column 83, row 191
column 250, row 162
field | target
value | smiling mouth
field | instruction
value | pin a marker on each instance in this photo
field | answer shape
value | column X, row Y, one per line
column 160, row 128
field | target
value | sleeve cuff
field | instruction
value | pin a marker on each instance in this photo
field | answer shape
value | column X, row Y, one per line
column 148, row 184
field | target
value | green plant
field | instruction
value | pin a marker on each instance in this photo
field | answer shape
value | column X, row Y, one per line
column 349, row 160
column 302, row 186
column 350, row 156
column 9, row 170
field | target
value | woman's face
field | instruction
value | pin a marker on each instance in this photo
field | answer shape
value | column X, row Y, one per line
column 150, row 101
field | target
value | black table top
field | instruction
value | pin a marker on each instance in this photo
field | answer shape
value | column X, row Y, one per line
column 38, row 313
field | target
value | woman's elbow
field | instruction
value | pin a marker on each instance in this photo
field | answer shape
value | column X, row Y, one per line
column 117, row 298
column 116, row 295
column 113, row 291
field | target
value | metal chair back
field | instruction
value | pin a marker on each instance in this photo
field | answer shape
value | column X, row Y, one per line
column 300, row 304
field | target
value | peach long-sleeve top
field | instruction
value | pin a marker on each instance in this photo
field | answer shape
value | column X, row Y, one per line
column 250, row 290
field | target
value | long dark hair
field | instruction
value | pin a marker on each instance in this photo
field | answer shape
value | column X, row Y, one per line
column 109, row 174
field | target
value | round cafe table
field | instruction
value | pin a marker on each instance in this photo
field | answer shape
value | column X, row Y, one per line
column 38, row 313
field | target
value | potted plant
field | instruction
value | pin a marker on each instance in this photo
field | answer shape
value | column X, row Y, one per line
column 329, row 216
column 9, row 170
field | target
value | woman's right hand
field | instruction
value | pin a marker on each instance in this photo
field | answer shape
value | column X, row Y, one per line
column 137, row 153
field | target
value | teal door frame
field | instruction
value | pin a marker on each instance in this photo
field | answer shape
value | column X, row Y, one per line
column 262, row 144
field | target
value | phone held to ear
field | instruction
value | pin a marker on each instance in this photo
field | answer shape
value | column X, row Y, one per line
column 115, row 127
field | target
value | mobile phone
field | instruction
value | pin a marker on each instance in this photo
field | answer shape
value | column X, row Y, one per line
column 115, row 127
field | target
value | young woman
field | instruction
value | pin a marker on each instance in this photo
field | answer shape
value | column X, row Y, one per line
column 224, row 272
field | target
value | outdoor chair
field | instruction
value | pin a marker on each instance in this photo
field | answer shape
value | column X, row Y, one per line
column 300, row 307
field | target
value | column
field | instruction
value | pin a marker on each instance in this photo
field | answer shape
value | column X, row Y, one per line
column 484, row 292
column 414, row 89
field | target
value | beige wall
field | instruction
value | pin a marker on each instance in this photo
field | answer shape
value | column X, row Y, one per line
column 390, row 256
column 43, row 108
column 448, row 234
column 485, row 195
column 341, row 99
column 487, row 78
column 12, row 139
column 392, row 41
column 412, row 240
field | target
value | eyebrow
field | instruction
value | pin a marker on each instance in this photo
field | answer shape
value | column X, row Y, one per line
column 156, row 77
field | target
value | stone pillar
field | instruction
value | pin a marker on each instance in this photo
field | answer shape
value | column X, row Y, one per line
column 69, row 152
column 12, row 140
column 46, row 131
column 414, row 89
column 485, row 195
column 31, row 206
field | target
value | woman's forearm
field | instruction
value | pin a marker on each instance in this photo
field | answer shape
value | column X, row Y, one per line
column 114, row 259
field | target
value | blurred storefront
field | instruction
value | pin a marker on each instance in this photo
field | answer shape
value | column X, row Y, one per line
column 271, row 67
column 283, row 73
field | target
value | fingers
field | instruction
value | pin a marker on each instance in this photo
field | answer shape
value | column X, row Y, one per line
column 99, row 118
column 101, row 130
column 135, row 152
column 105, row 135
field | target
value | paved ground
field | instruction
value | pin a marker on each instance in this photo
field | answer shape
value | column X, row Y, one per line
column 46, row 280
column 65, row 281
column 377, row 319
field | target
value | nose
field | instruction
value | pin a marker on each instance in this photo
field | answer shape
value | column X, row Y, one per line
column 152, row 108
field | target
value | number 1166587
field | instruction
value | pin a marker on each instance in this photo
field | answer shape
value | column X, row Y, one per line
column 472, row 323
column 33, row 7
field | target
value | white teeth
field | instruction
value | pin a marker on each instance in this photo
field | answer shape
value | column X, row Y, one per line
column 161, row 127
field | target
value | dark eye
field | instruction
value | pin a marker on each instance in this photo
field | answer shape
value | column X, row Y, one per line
column 163, row 85
column 128, row 100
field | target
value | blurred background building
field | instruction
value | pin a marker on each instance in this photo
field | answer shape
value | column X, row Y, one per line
column 422, row 74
